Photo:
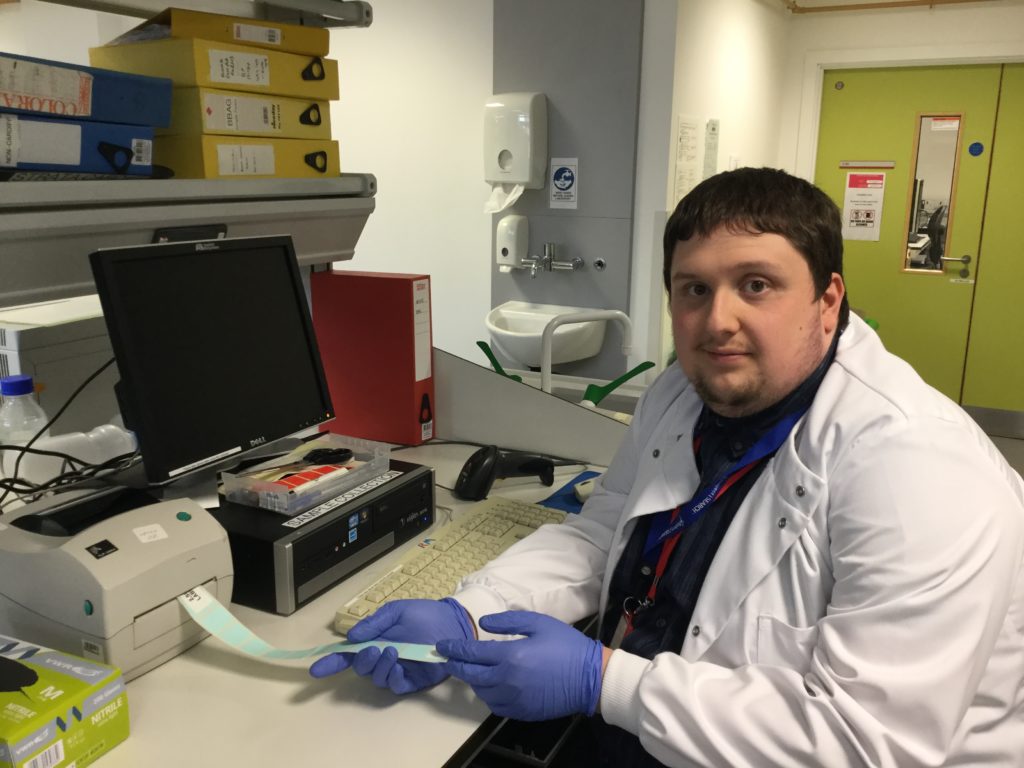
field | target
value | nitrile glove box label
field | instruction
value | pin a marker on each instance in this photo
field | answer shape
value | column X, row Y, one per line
column 57, row 709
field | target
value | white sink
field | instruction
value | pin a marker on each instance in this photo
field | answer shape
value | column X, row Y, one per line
column 517, row 329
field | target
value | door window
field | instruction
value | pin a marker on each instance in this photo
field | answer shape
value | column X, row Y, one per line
column 932, row 191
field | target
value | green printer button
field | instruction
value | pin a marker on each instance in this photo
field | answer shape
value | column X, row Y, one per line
column 184, row 516
column 88, row 607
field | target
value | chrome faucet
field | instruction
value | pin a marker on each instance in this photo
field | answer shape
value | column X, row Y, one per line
column 537, row 262
column 547, row 262
column 569, row 266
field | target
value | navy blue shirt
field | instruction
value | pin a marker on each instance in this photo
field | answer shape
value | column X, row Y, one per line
column 663, row 626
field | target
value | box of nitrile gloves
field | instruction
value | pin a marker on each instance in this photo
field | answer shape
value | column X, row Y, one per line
column 57, row 709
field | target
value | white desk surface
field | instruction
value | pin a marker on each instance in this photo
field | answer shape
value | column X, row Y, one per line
column 213, row 706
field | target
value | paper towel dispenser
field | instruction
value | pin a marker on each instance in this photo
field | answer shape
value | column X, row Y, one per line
column 516, row 139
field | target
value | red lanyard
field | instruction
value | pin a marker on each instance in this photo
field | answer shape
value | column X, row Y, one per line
column 668, row 547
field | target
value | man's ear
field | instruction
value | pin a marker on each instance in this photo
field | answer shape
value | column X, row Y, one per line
column 831, row 300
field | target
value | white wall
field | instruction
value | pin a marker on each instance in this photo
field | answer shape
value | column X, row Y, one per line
column 730, row 56
column 945, row 34
column 729, row 59
column 59, row 32
column 413, row 86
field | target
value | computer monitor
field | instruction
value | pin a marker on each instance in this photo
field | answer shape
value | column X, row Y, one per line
column 215, row 348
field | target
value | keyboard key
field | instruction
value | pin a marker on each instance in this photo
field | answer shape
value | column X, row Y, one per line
column 433, row 570
column 361, row 609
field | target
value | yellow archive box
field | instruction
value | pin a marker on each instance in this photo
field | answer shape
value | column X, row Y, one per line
column 222, row 65
column 275, row 35
column 208, row 110
column 233, row 157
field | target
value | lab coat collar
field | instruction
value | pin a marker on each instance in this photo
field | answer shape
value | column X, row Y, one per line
column 675, row 478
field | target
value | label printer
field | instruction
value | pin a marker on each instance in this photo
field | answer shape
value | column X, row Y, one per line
column 99, row 576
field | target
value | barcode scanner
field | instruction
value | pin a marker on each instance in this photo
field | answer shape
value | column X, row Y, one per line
column 489, row 464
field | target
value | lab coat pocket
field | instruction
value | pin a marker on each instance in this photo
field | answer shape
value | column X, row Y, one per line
column 780, row 645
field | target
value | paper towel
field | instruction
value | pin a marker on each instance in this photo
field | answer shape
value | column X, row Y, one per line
column 502, row 196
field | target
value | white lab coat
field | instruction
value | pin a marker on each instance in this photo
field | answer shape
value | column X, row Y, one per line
column 866, row 606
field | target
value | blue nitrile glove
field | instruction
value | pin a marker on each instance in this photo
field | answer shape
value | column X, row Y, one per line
column 553, row 672
column 404, row 621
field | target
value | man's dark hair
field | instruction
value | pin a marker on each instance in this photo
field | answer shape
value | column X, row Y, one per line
column 764, row 201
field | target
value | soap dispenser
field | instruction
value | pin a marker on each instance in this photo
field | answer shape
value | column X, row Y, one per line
column 511, row 242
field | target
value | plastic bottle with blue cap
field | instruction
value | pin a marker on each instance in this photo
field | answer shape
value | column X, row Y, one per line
column 21, row 417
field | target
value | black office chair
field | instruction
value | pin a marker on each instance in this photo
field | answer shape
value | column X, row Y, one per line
column 936, row 230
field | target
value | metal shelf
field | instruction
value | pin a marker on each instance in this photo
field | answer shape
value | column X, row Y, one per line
column 65, row 195
column 49, row 228
column 317, row 13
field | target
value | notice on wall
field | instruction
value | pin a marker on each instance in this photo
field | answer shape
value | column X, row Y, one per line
column 564, row 182
column 688, row 172
column 862, row 206
column 945, row 124
column 710, row 149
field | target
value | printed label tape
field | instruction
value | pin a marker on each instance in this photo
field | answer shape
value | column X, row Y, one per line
column 212, row 616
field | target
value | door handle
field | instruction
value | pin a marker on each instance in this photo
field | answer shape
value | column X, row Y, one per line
column 965, row 259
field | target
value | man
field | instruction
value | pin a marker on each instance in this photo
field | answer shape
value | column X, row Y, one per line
column 802, row 555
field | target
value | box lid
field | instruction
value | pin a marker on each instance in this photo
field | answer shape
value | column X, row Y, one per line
column 46, row 323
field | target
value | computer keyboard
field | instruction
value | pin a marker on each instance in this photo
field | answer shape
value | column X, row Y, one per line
column 432, row 569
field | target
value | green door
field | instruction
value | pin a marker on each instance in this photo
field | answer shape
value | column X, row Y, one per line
column 995, row 354
column 921, row 298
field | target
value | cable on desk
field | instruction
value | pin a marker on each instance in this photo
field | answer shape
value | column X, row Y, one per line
column 88, row 476
column 439, row 441
column 449, row 513
column 9, row 484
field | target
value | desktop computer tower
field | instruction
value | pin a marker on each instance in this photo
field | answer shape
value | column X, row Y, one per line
column 283, row 561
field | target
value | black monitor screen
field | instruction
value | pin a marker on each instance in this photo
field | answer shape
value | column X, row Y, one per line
column 215, row 347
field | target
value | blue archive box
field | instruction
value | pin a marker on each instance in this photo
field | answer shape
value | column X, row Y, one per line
column 56, row 89
column 41, row 144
